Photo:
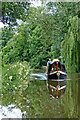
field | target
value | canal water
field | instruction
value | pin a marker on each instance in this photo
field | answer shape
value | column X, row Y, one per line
column 42, row 99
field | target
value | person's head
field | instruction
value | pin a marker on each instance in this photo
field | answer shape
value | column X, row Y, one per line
column 49, row 59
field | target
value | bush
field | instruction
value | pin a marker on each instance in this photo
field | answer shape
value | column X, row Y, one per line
column 15, row 76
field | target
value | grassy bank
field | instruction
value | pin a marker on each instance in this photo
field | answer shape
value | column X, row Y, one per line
column 15, row 77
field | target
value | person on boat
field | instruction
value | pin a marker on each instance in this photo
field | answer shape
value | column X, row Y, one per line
column 49, row 62
column 49, row 65
column 63, row 66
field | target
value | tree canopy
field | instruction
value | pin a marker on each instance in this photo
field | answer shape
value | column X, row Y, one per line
column 11, row 11
column 47, row 31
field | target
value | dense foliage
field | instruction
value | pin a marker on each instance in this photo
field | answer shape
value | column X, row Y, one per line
column 70, row 45
column 15, row 77
column 48, row 31
column 11, row 11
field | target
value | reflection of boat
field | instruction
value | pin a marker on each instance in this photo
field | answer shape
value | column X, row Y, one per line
column 56, row 70
column 56, row 87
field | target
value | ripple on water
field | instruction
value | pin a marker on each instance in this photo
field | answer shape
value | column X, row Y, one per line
column 39, row 76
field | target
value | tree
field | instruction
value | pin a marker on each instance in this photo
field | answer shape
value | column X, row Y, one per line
column 44, row 34
column 11, row 11
column 7, row 34
column 70, row 45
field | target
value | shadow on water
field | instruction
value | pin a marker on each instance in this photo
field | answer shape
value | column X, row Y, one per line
column 35, row 101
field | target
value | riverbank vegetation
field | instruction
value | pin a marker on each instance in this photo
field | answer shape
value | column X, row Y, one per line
column 15, row 77
column 48, row 31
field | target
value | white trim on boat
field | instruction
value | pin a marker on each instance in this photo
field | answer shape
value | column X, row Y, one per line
column 53, row 72
column 62, row 72
column 58, row 72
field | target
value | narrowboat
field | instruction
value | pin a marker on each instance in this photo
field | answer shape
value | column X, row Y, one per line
column 56, row 70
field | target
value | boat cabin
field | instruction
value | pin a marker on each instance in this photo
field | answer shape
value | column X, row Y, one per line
column 56, row 65
column 56, row 70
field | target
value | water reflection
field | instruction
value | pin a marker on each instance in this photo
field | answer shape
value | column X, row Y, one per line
column 56, row 87
column 35, row 102
column 10, row 111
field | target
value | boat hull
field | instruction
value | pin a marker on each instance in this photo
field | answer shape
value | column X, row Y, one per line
column 57, row 75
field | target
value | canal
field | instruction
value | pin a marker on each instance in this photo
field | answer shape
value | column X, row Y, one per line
column 40, row 100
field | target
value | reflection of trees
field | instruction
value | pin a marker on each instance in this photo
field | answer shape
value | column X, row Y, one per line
column 78, row 96
column 35, row 100
column 70, row 100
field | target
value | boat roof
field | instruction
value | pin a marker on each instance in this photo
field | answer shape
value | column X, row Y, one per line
column 55, row 60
